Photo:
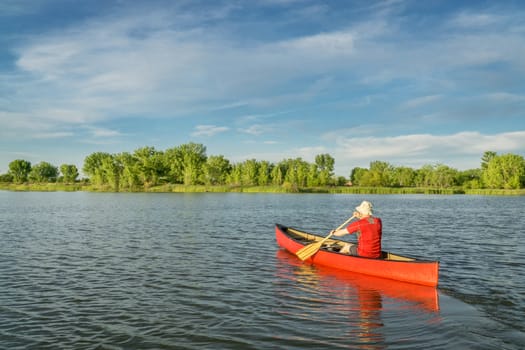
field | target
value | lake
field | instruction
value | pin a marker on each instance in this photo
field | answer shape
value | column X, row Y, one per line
column 83, row 270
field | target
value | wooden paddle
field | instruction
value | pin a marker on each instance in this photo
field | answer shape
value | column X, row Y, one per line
column 309, row 250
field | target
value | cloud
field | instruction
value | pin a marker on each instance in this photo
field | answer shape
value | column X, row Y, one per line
column 23, row 126
column 423, row 149
column 469, row 19
column 505, row 97
column 257, row 129
column 356, row 131
column 339, row 44
column 102, row 132
column 131, row 64
column 420, row 101
column 52, row 135
column 208, row 130
column 17, row 7
column 105, row 63
column 178, row 63
column 309, row 153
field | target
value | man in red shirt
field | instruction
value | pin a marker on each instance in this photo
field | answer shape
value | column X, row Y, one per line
column 368, row 230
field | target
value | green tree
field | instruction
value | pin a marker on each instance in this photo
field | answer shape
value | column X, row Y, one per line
column 43, row 172
column 277, row 174
column 325, row 163
column 443, row 176
column 69, row 172
column 341, row 181
column 130, row 175
column 112, row 169
column 297, row 172
column 469, row 178
column 6, row 178
column 485, row 160
column 423, row 176
column 357, row 175
column 174, row 162
column 313, row 178
column 265, row 170
column 93, row 167
column 151, row 165
column 235, row 176
column 216, row 170
column 19, row 169
column 403, row 177
column 193, row 159
column 250, row 170
column 380, row 174
column 506, row 171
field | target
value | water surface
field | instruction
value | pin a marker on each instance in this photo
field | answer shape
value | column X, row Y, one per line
column 195, row 271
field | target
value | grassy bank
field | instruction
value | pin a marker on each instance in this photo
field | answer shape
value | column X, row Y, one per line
column 176, row 188
column 45, row 187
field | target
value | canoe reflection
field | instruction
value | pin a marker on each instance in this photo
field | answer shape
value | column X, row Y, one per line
column 329, row 296
column 371, row 290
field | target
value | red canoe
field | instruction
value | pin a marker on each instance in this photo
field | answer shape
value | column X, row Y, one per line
column 392, row 266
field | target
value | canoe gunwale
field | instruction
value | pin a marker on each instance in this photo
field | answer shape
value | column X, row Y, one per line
column 316, row 238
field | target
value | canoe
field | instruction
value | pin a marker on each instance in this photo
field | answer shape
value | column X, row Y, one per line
column 391, row 266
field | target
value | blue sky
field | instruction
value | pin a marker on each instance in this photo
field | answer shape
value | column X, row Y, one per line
column 406, row 82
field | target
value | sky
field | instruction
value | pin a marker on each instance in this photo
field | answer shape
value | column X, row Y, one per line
column 411, row 83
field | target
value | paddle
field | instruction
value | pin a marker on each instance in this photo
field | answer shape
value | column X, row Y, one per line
column 309, row 250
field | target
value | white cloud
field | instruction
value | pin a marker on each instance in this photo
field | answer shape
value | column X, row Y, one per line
column 309, row 153
column 172, row 64
column 474, row 19
column 505, row 97
column 356, row 131
column 257, row 129
column 420, row 149
column 339, row 44
column 17, row 7
column 102, row 132
column 208, row 130
column 103, row 69
column 52, row 135
column 18, row 125
column 420, row 101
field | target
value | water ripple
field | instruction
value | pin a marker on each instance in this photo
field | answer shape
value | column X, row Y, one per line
column 135, row 271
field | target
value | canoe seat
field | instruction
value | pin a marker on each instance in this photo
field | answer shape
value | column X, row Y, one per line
column 332, row 247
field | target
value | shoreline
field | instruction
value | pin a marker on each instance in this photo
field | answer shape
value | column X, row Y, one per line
column 179, row 188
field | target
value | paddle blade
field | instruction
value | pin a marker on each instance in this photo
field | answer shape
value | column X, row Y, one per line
column 309, row 250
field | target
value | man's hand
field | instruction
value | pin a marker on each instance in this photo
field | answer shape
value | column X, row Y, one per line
column 340, row 232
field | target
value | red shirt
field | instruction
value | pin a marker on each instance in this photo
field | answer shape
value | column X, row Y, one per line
column 369, row 231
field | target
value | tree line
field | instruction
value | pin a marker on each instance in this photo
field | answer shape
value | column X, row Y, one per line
column 21, row 171
column 188, row 164
column 506, row 171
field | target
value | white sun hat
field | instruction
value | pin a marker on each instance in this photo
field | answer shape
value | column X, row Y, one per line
column 365, row 208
